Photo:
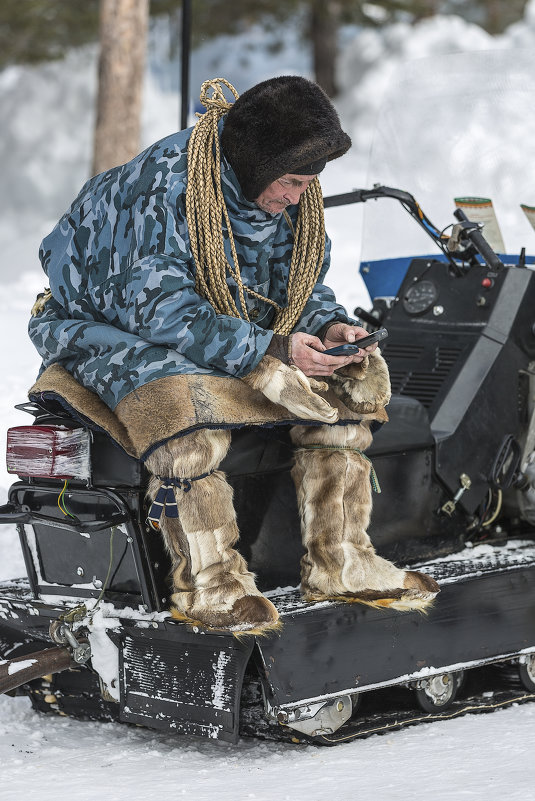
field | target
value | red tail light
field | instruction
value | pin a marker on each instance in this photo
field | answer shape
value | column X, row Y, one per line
column 48, row 452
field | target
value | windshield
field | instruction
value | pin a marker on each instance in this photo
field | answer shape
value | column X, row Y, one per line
column 454, row 126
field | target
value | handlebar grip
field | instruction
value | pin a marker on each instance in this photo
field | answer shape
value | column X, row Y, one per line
column 479, row 242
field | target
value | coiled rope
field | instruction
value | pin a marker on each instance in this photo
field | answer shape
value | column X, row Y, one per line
column 207, row 219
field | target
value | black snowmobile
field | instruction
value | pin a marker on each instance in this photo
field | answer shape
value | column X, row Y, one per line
column 87, row 633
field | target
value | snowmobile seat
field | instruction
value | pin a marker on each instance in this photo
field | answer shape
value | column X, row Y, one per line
column 408, row 428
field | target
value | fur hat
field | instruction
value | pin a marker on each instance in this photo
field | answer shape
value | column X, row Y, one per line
column 282, row 125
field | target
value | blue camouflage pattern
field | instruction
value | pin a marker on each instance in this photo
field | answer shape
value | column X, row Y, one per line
column 124, row 311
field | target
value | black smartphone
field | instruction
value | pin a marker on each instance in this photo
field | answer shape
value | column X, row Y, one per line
column 350, row 348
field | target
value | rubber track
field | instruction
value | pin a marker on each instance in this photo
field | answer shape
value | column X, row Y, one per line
column 486, row 689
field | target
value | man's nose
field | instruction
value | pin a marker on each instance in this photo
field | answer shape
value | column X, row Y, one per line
column 292, row 194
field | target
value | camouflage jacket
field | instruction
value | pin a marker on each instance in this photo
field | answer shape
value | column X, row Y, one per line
column 124, row 310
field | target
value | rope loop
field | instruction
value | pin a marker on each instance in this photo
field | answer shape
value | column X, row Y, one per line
column 217, row 100
column 165, row 500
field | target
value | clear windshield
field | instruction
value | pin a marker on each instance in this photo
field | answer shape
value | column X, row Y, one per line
column 451, row 126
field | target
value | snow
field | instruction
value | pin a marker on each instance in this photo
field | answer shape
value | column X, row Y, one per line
column 16, row 666
column 46, row 118
column 484, row 756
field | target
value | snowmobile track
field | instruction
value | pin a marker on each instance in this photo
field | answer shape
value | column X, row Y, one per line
column 487, row 689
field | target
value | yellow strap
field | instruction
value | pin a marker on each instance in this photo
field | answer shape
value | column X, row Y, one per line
column 40, row 301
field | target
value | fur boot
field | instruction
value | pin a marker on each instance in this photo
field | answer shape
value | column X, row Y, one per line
column 363, row 387
column 332, row 479
column 211, row 582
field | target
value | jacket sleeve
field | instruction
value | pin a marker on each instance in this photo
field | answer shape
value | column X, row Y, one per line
column 321, row 308
column 162, row 306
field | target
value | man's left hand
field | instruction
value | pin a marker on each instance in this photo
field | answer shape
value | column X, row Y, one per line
column 342, row 334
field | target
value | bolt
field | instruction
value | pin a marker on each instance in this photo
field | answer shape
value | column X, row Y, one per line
column 79, row 571
column 282, row 716
column 438, row 310
column 340, row 706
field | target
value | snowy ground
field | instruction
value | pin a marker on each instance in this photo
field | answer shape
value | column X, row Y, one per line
column 46, row 119
column 484, row 757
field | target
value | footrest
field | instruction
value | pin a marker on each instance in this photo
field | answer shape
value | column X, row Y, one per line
column 484, row 612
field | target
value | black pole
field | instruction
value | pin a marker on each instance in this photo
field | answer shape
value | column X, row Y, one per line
column 185, row 60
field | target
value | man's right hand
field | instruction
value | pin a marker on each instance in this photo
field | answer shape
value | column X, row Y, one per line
column 307, row 355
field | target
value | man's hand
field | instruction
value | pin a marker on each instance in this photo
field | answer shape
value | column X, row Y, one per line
column 307, row 350
column 342, row 333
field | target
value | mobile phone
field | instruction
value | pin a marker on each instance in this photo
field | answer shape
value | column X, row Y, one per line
column 350, row 348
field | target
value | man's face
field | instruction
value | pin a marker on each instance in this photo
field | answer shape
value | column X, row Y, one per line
column 283, row 192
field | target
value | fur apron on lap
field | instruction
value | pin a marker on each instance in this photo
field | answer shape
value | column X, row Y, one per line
column 179, row 405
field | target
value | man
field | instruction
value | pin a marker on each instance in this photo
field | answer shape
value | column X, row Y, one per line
column 186, row 291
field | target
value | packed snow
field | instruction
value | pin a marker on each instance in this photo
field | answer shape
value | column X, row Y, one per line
column 46, row 118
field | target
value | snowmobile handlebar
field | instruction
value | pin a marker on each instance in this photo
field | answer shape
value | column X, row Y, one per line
column 471, row 231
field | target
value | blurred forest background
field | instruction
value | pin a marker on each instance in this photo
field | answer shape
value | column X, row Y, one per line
column 37, row 31
column 86, row 84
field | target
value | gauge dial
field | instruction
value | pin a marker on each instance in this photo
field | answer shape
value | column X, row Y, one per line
column 420, row 297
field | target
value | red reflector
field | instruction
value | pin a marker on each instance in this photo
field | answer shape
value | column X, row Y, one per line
column 48, row 451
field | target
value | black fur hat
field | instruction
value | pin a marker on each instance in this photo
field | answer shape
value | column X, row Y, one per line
column 280, row 126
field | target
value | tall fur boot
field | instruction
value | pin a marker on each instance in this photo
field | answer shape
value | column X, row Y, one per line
column 332, row 479
column 211, row 581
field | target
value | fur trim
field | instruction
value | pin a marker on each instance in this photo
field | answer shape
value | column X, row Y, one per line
column 364, row 388
column 240, row 630
column 400, row 600
column 277, row 127
column 288, row 386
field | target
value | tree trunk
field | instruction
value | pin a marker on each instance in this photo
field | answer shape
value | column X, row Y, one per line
column 123, row 42
column 324, row 23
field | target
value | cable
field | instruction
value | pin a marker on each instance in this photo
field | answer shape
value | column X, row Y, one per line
column 61, row 501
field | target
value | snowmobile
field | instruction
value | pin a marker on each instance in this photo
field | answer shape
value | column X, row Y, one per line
column 87, row 632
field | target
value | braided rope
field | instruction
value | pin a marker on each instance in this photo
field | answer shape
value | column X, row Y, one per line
column 207, row 219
